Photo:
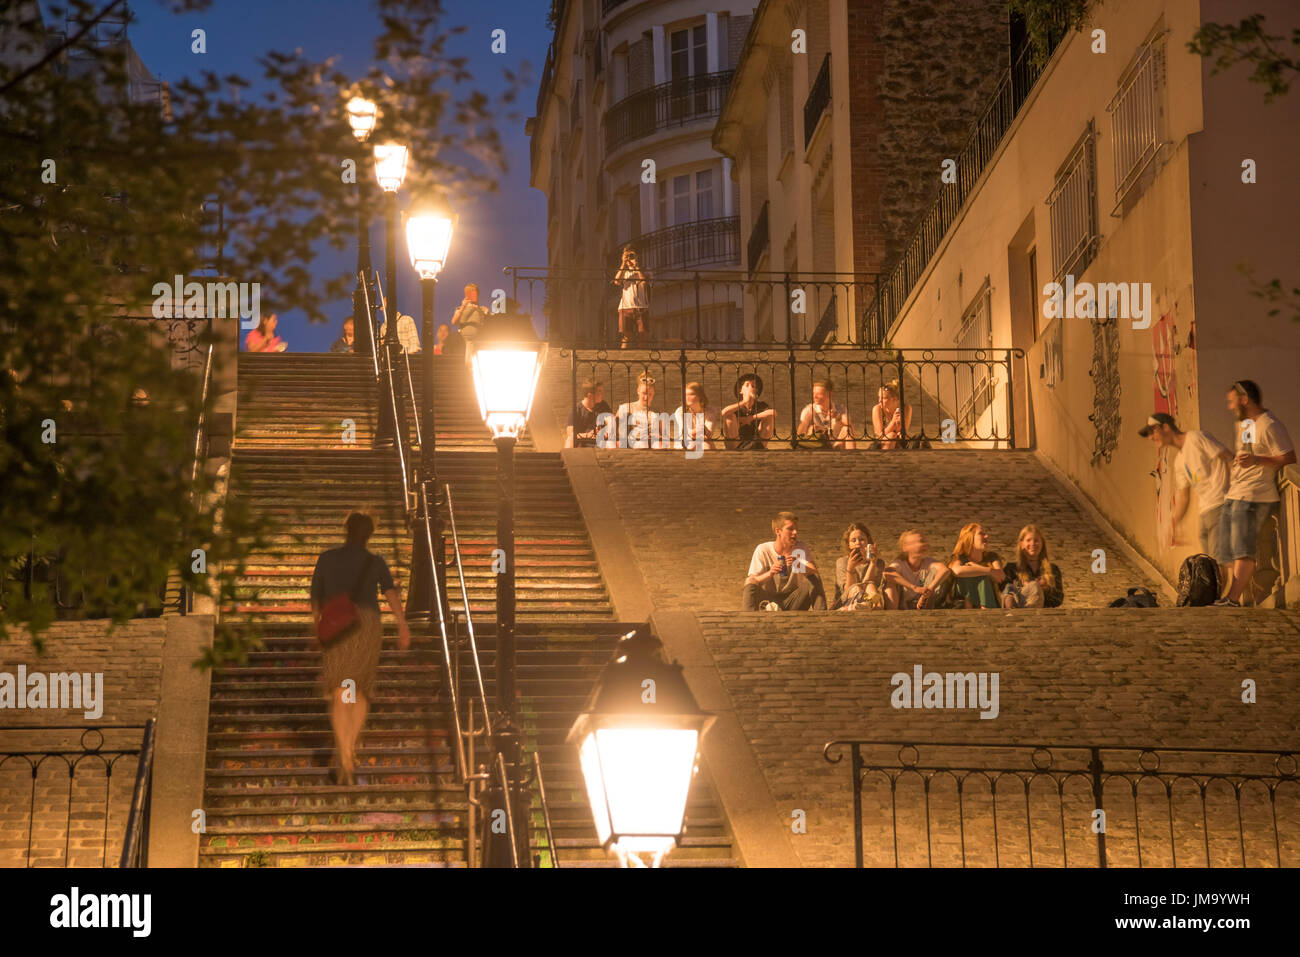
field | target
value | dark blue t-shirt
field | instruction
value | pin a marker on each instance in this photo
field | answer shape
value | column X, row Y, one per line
column 337, row 570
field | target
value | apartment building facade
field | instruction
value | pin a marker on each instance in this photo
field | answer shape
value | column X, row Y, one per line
column 837, row 113
column 1128, row 177
column 621, row 146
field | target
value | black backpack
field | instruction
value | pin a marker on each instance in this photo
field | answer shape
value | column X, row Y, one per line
column 1136, row 598
column 1198, row 581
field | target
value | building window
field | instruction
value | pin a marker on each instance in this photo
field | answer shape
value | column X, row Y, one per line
column 689, row 52
column 685, row 198
column 1137, row 119
column 1072, row 206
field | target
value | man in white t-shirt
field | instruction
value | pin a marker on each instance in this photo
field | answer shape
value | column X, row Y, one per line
column 1201, row 463
column 1263, row 448
column 782, row 574
column 635, row 425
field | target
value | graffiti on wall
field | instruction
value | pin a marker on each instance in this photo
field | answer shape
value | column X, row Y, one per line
column 1105, row 416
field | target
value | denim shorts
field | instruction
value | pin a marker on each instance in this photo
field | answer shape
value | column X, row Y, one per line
column 1239, row 525
column 1210, row 538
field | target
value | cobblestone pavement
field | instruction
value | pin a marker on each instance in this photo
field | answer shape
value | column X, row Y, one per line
column 694, row 523
column 1135, row 678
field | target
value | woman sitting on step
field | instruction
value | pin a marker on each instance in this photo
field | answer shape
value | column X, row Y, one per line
column 858, row 572
column 977, row 572
column 1032, row 581
column 350, row 663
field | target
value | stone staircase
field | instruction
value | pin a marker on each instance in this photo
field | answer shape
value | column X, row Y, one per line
column 267, row 793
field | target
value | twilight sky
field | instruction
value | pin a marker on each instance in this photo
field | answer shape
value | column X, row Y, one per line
column 505, row 228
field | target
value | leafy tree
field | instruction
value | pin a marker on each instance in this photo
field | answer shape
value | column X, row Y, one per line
column 84, row 239
column 1046, row 20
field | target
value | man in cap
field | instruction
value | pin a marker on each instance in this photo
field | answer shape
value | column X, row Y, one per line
column 749, row 422
column 1201, row 463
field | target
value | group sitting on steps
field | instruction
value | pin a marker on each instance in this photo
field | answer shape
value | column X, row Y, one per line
column 783, row 576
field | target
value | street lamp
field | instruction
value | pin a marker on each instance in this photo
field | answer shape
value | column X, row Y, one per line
column 638, row 743
column 428, row 240
column 506, row 357
column 390, row 170
column 362, row 115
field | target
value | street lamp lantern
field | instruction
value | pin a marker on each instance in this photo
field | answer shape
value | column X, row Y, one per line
column 638, row 743
column 428, row 240
column 362, row 114
column 390, row 166
column 507, row 362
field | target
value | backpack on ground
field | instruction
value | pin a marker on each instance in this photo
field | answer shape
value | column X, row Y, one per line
column 1198, row 581
column 1136, row 598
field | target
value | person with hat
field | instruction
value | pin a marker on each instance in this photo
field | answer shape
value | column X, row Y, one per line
column 1263, row 449
column 1201, row 463
column 749, row 422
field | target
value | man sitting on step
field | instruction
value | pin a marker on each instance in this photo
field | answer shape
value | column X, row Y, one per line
column 782, row 576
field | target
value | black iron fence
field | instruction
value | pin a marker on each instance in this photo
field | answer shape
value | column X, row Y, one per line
column 951, row 398
column 675, row 103
column 704, row 242
column 1014, row 805
column 701, row 308
column 75, row 800
column 819, row 97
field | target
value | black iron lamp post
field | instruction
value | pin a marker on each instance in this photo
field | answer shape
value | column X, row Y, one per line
column 506, row 358
column 362, row 115
column 390, row 170
column 638, row 742
column 428, row 241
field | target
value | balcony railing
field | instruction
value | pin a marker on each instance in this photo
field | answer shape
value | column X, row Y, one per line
column 758, row 240
column 701, row 243
column 992, row 126
column 1136, row 116
column 674, row 103
column 819, row 97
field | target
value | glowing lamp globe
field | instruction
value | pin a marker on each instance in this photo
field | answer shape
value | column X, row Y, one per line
column 361, row 117
column 506, row 358
column 638, row 744
column 390, row 166
column 428, row 240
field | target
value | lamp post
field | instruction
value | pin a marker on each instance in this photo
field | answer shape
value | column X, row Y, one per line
column 362, row 115
column 428, row 241
column 638, row 743
column 506, row 359
column 390, row 170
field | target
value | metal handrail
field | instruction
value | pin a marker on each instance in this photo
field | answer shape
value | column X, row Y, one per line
column 500, row 769
column 410, row 390
column 469, row 618
column 184, row 599
column 135, row 843
column 546, row 809
column 399, row 421
column 370, row 320
column 462, row 767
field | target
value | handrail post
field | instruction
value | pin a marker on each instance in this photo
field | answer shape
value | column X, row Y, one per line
column 1011, row 403
column 856, row 770
column 1094, row 766
column 699, row 327
column 794, row 402
column 902, row 401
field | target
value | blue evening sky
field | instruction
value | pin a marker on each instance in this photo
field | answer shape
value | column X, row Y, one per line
column 505, row 228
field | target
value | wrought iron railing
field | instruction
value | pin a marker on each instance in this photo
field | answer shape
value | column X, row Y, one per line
column 23, row 784
column 704, row 308
column 983, row 142
column 675, row 103
column 1015, row 805
column 705, row 242
column 758, row 239
column 1136, row 117
column 819, row 97
column 934, row 386
column 1072, row 210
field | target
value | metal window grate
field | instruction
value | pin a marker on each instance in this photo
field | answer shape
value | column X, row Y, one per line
column 1073, row 209
column 1137, row 118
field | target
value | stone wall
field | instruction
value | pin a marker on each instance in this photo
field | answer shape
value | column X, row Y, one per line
column 693, row 524
column 922, row 73
column 1160, row 677
column 147, row 668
